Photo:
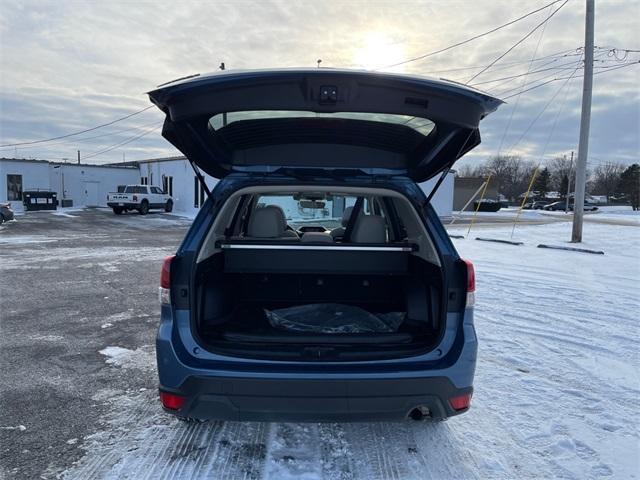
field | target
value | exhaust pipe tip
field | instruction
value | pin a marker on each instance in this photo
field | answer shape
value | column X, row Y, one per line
column 419, row 413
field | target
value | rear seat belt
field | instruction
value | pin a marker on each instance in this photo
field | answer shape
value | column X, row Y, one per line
column 346, row 238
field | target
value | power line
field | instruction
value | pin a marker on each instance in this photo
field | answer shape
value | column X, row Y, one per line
column 570, row 52
column 85, row 139
column 113, row 147
column 519, row 41
column 543, row 77
column 564, row 78
column 515, row 107
column 554, row 56
column 544, row 108
column 555, row 121
column 79, row 132
column 557, row 68
column 513, row 77
column 420, row 57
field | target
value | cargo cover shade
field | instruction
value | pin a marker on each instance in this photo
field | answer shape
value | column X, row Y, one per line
column 340, row 120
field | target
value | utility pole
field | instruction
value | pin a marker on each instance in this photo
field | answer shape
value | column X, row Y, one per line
column 566, row 198
column 78, row 157
column 585, row 122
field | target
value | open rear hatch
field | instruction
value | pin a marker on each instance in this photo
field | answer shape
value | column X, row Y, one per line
column 343, row 123
column 321, row 118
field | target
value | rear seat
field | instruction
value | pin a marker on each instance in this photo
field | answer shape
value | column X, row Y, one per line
column 269, row 222
column 369, row 229
column 317, row 237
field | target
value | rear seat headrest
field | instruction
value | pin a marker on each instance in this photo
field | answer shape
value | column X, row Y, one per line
column 324, row 237
column 346, row 215
column 267, row 222
column 369, row 229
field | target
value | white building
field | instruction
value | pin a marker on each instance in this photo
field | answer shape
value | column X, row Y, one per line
column 88, row 185
column 176, row 176
column 75, row 184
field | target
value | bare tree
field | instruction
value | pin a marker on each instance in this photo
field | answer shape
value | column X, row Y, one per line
column 561, row 169
column 606, row 178
column 510, row 174
column 467, row 170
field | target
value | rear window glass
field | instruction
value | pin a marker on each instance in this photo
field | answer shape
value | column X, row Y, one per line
column 135, row 189
column 325, row 209
column 419, row 124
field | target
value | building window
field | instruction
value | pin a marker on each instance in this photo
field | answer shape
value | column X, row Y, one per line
column 167, row 185
column 14, row 188
column 143, row 181
column 198, row 193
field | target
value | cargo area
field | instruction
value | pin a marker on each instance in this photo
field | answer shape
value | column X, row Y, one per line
column 328, row 302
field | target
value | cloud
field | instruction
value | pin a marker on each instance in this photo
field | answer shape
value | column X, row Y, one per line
column 68, row 66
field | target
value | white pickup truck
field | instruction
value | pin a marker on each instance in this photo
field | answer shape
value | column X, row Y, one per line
column 140, row 198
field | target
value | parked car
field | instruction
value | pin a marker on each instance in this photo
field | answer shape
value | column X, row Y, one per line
column 487, row 205
column 539, row 204
column 562, row 205
column 555, row 206
column 264, row 318
column 6, row 213
column 139, row 197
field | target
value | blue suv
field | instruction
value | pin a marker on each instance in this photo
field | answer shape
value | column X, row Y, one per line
column 317, row 282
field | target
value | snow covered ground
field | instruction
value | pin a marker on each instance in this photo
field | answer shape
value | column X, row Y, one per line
column 557, row 387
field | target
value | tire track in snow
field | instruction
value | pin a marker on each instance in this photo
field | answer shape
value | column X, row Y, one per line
column 243, row 450
column 337, row 454
column 176, row 452
column 203, row 460
column 294, row 451
column 380, row 447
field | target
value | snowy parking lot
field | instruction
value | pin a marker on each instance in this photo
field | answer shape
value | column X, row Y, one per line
column 557, row 390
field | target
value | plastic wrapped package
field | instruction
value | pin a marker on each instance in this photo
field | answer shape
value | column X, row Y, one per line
column 333, row 318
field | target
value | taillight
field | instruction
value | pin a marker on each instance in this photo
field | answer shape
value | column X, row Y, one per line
column 471, row 283
column 165, row 280
column 171, row 401
column 461, row 401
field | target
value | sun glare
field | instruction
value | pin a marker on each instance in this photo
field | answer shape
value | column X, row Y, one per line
column 377, row 51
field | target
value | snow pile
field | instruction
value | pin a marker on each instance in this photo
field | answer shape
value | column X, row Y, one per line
column 142, row 358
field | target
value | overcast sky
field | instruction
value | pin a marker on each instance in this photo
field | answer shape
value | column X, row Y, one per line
column 70, row 65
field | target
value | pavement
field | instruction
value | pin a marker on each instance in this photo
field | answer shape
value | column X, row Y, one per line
column 73, row 284
column 78, row 317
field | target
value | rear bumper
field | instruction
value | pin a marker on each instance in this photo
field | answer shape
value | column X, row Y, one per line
column 301, row 400
column 130, row 206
